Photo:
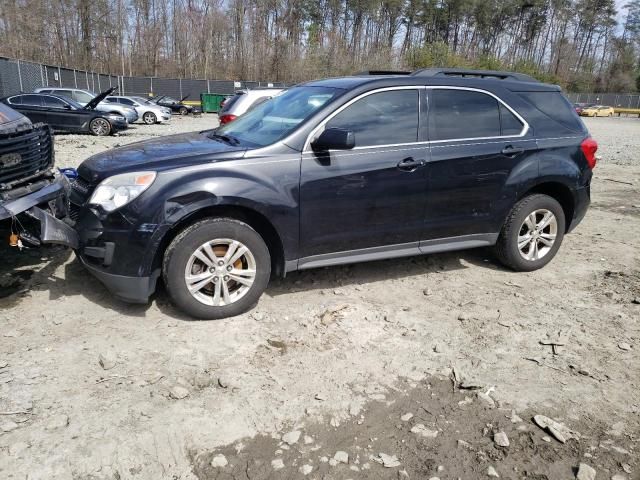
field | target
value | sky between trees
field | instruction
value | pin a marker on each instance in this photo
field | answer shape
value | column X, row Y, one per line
column 583, row 45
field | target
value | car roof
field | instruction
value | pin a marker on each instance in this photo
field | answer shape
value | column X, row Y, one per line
column 517, row 82
column 40, row 94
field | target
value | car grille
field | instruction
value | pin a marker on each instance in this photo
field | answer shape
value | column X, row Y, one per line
column 81, row 191
column 24, row 154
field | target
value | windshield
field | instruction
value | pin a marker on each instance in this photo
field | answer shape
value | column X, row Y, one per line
column 73, row 103
column 141, row 100
column 275, row 118
column 83, row 97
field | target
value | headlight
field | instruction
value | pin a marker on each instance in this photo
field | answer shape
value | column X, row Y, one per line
column 115, row 192
column 119, row 118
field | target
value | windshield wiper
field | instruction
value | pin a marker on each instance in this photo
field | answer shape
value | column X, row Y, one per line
column 226, row 138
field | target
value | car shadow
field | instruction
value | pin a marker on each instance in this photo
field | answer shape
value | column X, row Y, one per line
column 35, row 270
column 371, row 272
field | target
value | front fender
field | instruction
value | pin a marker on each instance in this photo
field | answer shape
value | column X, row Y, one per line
column 254, row 186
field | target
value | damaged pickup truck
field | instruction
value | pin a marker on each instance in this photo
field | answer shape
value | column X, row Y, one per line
column 34, row 195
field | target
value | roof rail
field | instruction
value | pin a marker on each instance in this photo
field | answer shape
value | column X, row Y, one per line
column 382, row 72
column 463, row 72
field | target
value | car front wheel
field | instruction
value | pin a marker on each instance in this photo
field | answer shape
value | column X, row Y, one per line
column 100, row 127
column 216, row 268
column 183, row 111
column 532, row 233
column 149, row 118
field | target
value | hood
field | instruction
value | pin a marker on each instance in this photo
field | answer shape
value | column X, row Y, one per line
column 162, row 153
column 10, row 119
column 98, row 98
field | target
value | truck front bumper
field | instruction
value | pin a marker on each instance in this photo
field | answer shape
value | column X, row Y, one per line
column 53, row 196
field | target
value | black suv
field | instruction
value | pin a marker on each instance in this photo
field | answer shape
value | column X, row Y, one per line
column 337, row 171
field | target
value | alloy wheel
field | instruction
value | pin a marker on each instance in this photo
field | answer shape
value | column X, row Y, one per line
column 220, row 272
column 537, row 234
column 149, row 118
column 100, row 127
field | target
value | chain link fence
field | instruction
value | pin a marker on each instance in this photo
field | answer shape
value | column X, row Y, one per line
column 619, row 100
column 18, row 76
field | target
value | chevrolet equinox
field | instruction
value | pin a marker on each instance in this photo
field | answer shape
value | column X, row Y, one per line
column 368, row 167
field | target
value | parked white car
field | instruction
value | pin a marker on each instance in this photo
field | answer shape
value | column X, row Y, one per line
column 149, row 112
column 85, row 96
column 245, row 100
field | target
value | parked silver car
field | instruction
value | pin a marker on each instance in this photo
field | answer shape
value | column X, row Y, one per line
column 245, row 100
column 149, row 112
column 85, row 96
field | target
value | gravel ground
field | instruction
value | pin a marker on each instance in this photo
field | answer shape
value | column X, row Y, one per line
column 91, row 388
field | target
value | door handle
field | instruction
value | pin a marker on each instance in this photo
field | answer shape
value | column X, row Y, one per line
column 511, row 151
column 410, row 164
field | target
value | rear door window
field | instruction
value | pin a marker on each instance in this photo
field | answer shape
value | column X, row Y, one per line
column 462, row 114
column 383, row 118
column 32, row 100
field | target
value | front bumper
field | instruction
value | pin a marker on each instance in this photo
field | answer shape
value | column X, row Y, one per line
column 119, row 125
column 53, row 198
column 128, row 289
column 120, row 256
column 54, row 189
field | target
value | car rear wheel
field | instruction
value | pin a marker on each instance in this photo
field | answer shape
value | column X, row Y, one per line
column 183, row 111
column 100, row 127
column 532, row 234
column 149, row 118
column 216, row 268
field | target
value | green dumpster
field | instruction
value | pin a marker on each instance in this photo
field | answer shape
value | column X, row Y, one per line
column 211, row 101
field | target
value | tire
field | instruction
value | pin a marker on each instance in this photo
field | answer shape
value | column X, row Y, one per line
column 149, row 118
column 183, row 111
column 515, row 247
column 180, row 258
column 100, row 127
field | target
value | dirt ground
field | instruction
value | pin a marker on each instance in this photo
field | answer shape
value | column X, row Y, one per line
column 318, row 380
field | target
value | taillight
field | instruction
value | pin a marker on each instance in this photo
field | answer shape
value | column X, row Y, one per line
column 589, row 147
column 227, row 118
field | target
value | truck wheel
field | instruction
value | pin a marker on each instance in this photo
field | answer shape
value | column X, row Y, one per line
column 216, row 268
column 532, row 234
column 149, row 118
column 100, row 127
column 183, row 111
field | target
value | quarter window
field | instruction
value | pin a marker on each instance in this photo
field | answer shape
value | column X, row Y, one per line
column 509, row 122
column 383, row 118
column 457, row 114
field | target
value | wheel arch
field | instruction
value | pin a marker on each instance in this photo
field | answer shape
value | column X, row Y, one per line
column 559, row 192
column 251, row 217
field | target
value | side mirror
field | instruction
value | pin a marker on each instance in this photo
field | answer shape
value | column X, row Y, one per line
column 334, row 139
column 67, row 106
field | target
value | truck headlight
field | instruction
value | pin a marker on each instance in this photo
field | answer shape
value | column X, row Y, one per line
column 115, row 192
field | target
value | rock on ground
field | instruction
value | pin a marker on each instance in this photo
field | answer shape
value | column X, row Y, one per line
column 585, row 472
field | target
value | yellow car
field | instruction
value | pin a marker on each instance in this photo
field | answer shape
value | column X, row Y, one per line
column 597, row 111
